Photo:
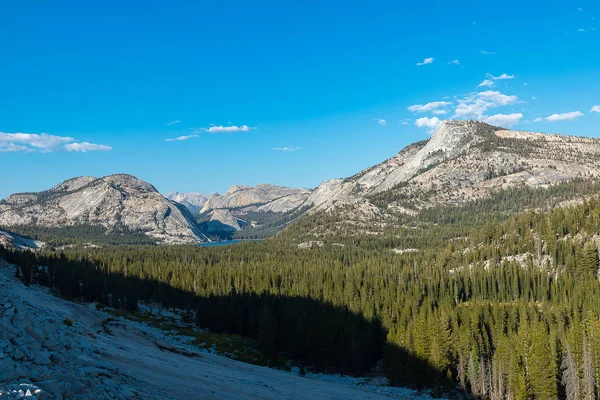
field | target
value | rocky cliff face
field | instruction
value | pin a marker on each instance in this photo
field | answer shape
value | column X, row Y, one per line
column 463, row 161
column 232, row 209
column 264, row 197
column 116, row 202
column 192, row 201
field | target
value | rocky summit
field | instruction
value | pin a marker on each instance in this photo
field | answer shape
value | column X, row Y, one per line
column 461, row 162
column 116, row 203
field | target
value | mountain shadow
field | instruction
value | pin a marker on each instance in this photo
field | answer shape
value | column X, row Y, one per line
column 312, row 334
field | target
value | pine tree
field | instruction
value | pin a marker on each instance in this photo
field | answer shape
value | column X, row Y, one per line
column 590, row 259
column 541, row 366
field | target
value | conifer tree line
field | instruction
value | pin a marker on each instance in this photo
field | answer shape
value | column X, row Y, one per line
column 511, row 311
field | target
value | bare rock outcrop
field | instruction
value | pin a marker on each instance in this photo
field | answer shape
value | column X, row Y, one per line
column 232, row 209
column 115, row 202
column 463, row 161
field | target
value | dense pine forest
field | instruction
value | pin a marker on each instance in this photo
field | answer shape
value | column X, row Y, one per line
column 477, row 299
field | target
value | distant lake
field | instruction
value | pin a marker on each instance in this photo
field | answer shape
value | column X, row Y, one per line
column 227, row 242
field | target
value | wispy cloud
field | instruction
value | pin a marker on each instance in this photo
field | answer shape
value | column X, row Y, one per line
column 44, row 143
column 454, row 62
column 287, row 148
column 428, row 60
column 497, row 99
column 432, row 124
column 503, row 120
column 565, row 116
column 487, row 53
column 84, row 147
column 569, row 116
column 380, row 121
column 181, row 138
column 487, row 83
column 173, row 122
column 212, row 129
column 228, row 129
column 14, row 148
column 500, row 77
column 432, row 106
column 595, row 109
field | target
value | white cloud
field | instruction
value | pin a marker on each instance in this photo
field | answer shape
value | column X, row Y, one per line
column 581, row 30
column 405, row 121
column 380, row 121
column 432, row 124
column 533, row 98
column 287, row 148
column 525, row 83
column 213, row 129
column 503, row 120
column 43, row 142
column 454, row 62
column 497, row 99
column 469, row 110
column 487, row 53
column 84, row 147
column 440, row 112
column 14, row 148
column 580, row 9
column 487, row 83
column 434, row 105
column 181, row 138
column 595, row 109
column 564, row 116
column 173, row 122
column 501, row 77
column 476, row 104
column 426, row 61
column 232, row 128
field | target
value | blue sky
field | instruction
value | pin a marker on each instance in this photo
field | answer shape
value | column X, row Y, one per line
column 289, row 93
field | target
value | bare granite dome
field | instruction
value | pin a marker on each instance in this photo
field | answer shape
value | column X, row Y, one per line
column 114, row 202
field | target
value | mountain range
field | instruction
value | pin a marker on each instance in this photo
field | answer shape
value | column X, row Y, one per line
column 463, row 161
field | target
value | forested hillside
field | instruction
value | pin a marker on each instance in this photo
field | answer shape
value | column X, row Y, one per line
column 508, row 309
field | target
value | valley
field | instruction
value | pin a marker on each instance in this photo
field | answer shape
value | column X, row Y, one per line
column 300, row 200
column 444, row 270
